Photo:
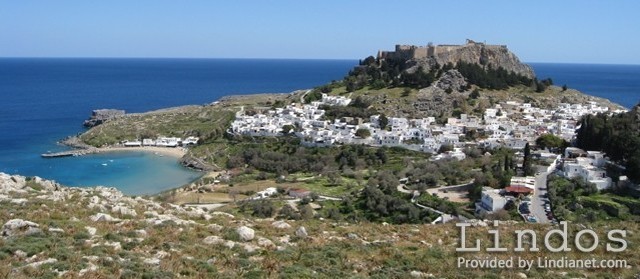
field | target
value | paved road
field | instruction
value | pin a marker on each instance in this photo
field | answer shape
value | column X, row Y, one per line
column 537, row 205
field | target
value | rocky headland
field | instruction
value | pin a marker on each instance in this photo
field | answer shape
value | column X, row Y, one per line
column 100, row 116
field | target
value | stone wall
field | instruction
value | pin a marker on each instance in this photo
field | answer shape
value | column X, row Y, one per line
column 471, row 52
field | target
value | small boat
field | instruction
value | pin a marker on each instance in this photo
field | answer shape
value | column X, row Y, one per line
column 104, row 164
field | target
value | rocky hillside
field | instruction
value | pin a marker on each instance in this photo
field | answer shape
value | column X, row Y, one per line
column 53, row 231
column 447, row 80
column 478, row 53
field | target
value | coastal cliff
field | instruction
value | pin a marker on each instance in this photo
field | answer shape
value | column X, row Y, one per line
column 100, row 116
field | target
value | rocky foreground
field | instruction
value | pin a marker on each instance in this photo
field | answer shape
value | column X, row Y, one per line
column 55, row 231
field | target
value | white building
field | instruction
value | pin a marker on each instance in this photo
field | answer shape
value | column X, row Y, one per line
column 509, row 124
column 265, row 193
column 190, row 141
column 148, row 142
column 132, row 143
column 590, row 168
column 167, row 142
column 490, row 201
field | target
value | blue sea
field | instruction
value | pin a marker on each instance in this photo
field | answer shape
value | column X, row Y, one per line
column 618, row 83
column 44, row 100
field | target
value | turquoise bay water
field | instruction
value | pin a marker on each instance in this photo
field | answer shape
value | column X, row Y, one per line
column 45, row 100
column 132, row 172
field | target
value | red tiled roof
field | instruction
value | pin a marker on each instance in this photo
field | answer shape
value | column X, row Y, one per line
column 512, row 189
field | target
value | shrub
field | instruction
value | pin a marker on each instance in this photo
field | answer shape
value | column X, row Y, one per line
column 263, row 208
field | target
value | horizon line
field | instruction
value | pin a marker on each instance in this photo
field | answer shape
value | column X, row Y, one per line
column 269, row 58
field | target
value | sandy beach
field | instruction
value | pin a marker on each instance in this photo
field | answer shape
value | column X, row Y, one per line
column 176, row 152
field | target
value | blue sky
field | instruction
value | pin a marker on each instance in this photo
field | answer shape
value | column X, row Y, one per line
column 537, row 31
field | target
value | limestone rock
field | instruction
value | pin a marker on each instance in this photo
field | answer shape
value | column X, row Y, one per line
column 123, row 210
column 21, row 201
column 152, row 261
column 245, row 233
column 420, row 274
column 102, row 217
column 38, row 264
column 20, row 254
column 281, row 225
column 91, row 230
column 215, row 227
column 265, row 242
column 229, row 244
column 90, row 268
column 223, row 214
column 250, row 248
column 213, row 240
column 301, row 232
column 56, row 230
column 19, row 227
column 285, row 239
column 452, row 80
column 115, row 245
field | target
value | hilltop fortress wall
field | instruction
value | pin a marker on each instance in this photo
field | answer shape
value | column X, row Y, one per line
column 471, row 51
column 422, row 52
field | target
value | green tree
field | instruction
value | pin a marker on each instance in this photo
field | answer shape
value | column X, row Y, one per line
column 378, row 84
column 263, row 208
column 326, row 88
column 527, row 165
column 314, row 95
column 383, row 121
column 552, row 142
column 287, row 128
column 445, row 147
column 334, row 178
column 288, row 212
column 363, row 133
column 306, row 212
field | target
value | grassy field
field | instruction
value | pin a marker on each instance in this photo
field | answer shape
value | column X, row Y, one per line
column 321, row 186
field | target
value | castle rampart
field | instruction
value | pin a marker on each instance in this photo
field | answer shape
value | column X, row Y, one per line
column 421, row 52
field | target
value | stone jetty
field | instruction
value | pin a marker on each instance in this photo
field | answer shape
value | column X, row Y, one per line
column 68, row 153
